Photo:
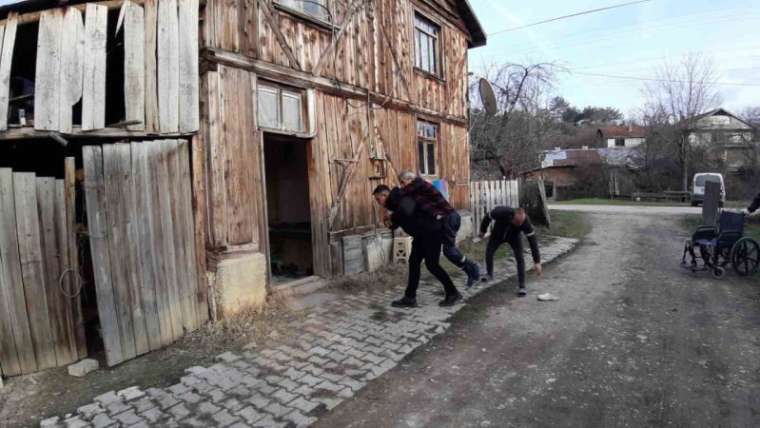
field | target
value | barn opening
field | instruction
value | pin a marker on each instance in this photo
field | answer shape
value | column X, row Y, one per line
column 288, row 208
column 23, row 67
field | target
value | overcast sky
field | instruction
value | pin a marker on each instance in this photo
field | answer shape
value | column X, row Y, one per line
column 631, row 41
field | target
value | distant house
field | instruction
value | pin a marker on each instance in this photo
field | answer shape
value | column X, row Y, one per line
column 627, row 137
column 572, row 173
column 727, row 138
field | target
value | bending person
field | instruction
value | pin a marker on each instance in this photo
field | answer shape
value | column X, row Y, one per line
column 431, row 202
column 426, row 245
column 509, row 224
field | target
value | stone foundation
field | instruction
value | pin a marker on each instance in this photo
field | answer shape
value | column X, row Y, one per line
column 240, row 284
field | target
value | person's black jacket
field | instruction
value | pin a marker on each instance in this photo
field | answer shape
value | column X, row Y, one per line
column 504, row 230
column 755, row 204
column 406, row 216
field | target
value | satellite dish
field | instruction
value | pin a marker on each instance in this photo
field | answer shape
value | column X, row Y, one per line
column 488, row 97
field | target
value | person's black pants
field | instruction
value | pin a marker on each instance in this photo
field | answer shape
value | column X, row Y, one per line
column 427, row 249
column 517, row 248
column 451, row 225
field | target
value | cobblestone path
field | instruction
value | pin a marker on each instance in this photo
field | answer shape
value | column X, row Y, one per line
column 342, row 345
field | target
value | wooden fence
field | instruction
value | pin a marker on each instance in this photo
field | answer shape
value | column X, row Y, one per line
column 40, row 311
column 486, row 195
column 142, row 238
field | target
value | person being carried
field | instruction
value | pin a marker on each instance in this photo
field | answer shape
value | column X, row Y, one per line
column 426, row 245
column 431, row 202
column 754, row 206
column 509, row 224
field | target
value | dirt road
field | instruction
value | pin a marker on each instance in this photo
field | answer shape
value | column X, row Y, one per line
column 633, row 341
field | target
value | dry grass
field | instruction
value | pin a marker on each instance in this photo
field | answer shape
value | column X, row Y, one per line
column 247, row 326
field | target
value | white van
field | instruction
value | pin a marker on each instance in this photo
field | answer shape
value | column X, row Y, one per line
column 700, row 181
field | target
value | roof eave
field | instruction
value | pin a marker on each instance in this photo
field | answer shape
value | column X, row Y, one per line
column 477, row 34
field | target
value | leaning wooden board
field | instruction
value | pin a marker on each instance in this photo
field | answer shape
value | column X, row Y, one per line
column 168, row 66
column 94, row 90
column 8, row 37
column 47, row 71
column 32, row 271
column 134, row 65
column 101, row 262
column 71, row 67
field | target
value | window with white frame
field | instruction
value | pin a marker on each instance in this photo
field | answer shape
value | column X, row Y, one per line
column 318, row 9
column 426, row 45
column 280, row 108
column 427, row 140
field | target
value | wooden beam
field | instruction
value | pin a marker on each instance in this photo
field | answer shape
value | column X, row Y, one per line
column 306, row 80
column 30, row 133
column 28, row 18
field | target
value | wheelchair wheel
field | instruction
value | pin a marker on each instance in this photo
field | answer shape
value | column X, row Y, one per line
column 745, row 256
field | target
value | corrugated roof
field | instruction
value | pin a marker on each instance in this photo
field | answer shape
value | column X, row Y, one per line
column 571, row 157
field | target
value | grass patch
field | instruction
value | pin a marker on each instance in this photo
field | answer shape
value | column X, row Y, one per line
column 567, row 225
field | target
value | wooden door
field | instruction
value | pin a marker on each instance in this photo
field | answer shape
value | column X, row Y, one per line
column 142, row 241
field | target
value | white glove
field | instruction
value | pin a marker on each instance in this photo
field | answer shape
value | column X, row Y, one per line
column 745, row 211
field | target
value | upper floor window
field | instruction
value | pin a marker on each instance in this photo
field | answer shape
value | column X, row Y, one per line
column 317, row 9
column 427, row 140
column 426, row 45
column 280, row 108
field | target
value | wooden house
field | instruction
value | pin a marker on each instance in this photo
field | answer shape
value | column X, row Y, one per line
column 211, row 151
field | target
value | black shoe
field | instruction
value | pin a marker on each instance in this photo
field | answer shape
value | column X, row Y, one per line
column 404, row 302
column 473, row 273
column 487, row 278
column 450, row 300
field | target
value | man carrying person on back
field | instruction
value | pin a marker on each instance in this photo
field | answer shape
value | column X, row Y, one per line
column 426, row 244
column 509, row 224
column 432, row 203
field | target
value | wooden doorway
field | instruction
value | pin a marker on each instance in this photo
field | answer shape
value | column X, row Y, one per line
column 288, row 208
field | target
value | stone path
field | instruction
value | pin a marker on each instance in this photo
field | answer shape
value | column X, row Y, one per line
column 342, row 345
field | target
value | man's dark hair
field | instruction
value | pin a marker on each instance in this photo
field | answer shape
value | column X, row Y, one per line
column 380, row 189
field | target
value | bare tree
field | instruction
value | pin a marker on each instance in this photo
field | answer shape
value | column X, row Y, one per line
column 683, row 91
column 511, row 139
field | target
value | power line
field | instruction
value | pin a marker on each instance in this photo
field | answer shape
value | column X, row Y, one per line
column 608, row 37
column 652, row 79
column 573, row 15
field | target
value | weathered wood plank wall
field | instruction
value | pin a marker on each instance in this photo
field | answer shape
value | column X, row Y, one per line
column 161, row 66
column 40, row 323
column 373, row 49
column 234, row 158
column 143, row 243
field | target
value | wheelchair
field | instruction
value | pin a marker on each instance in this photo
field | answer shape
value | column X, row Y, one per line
column 715, row 248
